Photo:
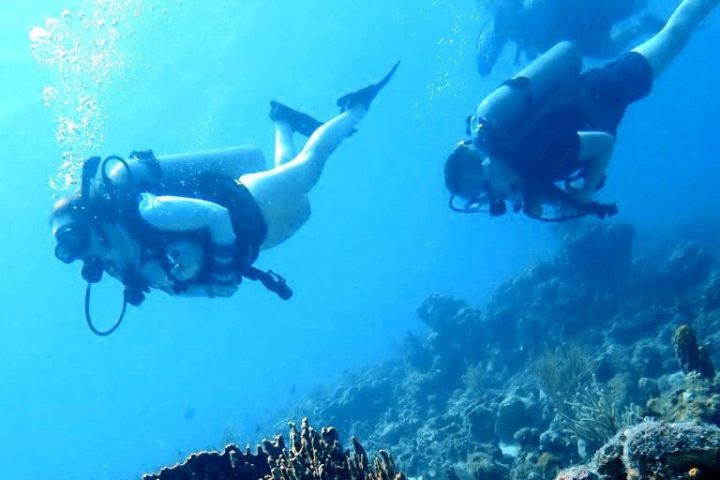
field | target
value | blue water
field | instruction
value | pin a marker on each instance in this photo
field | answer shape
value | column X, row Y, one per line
column 197, row 75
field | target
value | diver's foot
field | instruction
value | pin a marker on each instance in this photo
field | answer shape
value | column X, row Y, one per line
column 301, row 123
column 365, row 96
column 488, row 47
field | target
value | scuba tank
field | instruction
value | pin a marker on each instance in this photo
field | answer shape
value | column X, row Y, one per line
column 503, row 107
column 142, row 169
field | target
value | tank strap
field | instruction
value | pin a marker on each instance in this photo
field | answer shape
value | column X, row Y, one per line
column 89, row 171
column 517, row 83
column 148, row 158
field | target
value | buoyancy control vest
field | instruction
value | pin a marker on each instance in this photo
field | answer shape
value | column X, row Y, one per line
column 531, row 121
column 506, row 118
column 106, row 201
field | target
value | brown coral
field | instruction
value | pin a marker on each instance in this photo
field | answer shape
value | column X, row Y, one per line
column 311, row 455
column 691, row 356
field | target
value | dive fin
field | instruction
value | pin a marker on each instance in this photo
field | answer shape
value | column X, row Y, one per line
column 365, row 96
column 300, row 122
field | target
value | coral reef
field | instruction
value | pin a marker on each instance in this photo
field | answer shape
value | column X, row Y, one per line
column 230, row 464
column 691, row 356
column 564, row 355
column 593, row 364
column 655, row 450
column 711, row 295
column 311, row 455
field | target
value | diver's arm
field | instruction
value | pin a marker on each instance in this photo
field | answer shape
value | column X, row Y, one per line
column 569, row 205
column 595, row 152
column 180, row 214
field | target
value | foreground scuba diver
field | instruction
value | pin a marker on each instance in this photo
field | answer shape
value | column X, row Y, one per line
column 552, row 124
column 194, row 224
column 536, row 25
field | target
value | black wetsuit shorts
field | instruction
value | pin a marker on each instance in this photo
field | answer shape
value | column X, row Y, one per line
column 546, row 147
column 608, row 91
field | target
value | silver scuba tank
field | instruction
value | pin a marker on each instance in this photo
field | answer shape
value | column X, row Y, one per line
column 503, row 106
column 145, row 169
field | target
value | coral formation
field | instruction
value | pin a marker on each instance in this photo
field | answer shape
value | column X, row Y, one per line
column 565, row 354
column 711, row 295
column 589, row 342
column 691, row 356
column 693, row 398
column 655, row 450
column 311, row 455
column 230, row 464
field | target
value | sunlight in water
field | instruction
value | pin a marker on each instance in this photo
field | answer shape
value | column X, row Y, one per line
column 86, row 53
column 453, row 49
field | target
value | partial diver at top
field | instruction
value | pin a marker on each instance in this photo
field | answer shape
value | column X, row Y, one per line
column 600, row 28
column 545, row 137
column 194, row 224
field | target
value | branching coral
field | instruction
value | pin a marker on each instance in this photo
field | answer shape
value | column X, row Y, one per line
column 474, row 377
column 311, row 455
column 595, row 416
column 583, row 406
column 562, row 373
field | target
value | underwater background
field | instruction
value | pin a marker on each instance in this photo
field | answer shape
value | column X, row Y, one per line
column 176, row 76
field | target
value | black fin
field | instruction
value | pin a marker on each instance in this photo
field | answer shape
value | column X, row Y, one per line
column 300, row 122
column 365, row 96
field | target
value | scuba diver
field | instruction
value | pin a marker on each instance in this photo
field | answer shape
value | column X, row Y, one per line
column 545, row 137
column 534, row 26
column 194, row 224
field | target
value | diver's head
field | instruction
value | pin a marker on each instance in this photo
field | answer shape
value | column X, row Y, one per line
column 186, row 259
column 464, row 173
column 70, row 228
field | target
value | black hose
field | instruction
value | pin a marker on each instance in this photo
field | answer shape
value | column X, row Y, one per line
column 567, row 218
column 270, row 280
column 88, row 318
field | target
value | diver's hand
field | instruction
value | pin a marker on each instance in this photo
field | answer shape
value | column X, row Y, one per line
column 221, row 289
column 602, row 210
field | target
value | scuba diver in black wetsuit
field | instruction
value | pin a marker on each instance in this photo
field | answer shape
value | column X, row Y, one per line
column 194, row 224
column 534, row 26
column 551, row 124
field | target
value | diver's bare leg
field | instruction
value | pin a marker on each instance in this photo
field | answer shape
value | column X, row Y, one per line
column 298, row 176
column 284, row 147
column 281, row 192
column 662, row 49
